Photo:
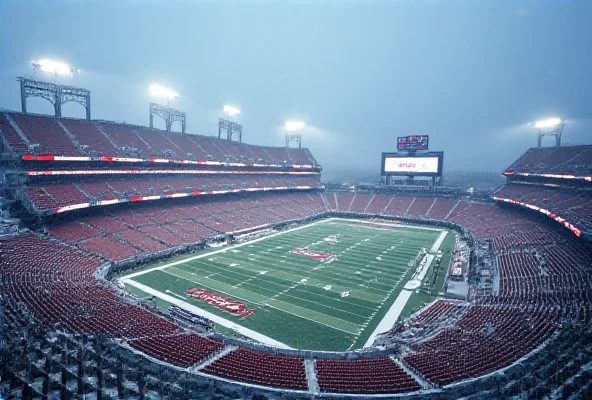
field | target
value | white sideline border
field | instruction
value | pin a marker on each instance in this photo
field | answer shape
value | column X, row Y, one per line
column 391, row 316
column 385, row 324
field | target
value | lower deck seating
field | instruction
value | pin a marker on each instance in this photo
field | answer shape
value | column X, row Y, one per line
column 371, row 376
column 30, row 260
column 438, row 310
column 88, row 307
column 485, row 339
column 261, row 369
column 180, row 350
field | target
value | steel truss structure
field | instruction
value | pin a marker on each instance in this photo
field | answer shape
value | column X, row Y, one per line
column 556, row 131
column 54, row 93
column 293, row 137
column 169, row 115
column 231, row 128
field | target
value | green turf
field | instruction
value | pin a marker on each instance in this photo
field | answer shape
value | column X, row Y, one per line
column 336, row 308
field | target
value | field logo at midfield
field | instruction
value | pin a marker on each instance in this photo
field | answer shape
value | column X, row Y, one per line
column 221, row 302
column 315, row 255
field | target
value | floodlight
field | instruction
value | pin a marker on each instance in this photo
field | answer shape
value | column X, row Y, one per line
column 157, row 90
column 231, row 111
column 548, row 123
column 54, row 67
column 293, row 126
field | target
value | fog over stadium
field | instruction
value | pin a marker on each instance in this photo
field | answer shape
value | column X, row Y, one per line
column 289, row 200
column 472, row 75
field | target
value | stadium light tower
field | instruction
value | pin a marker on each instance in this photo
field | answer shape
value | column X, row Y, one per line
column 229, row 124
column 293, row 132
column 53, row 92
column 170, row 115
column 550, row 127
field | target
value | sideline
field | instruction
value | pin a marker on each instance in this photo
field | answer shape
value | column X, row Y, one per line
column 391, row 316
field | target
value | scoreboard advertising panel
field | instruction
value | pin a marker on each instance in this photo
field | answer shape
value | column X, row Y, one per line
column 413, row 143
column 425, row 164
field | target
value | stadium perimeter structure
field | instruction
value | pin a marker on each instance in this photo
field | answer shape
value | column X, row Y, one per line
column 529, row 277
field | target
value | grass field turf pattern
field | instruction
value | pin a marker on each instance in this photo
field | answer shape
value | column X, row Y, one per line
column 300, row 301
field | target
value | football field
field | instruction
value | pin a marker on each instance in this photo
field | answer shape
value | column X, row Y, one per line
column 322, row 286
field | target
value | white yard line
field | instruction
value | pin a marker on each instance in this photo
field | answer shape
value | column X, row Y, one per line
column 212, row 317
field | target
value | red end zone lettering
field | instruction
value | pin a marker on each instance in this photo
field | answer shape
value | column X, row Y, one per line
column 311, row 254
column 223, row 303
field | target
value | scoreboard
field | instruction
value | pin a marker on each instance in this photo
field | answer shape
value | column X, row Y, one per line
column 412, row 143
column 414, row 164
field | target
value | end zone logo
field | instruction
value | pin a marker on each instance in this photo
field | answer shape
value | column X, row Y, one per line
column 311, row 254
column 221, row 302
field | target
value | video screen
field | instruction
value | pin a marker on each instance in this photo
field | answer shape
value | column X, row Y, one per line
column 425, row 165
column 404, row 164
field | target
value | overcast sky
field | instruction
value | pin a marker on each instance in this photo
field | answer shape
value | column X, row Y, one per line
column 470, row 74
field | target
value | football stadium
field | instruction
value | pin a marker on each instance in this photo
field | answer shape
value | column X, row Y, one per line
column 227, row 263
column 147, row 263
